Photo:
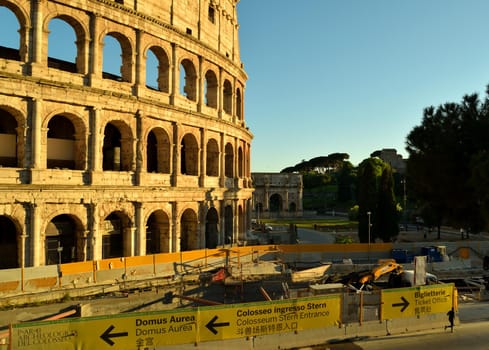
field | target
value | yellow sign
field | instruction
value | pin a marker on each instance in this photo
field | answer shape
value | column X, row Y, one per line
column 415, row 301
column 254, row 319
column 151, row 330
column 121, row 332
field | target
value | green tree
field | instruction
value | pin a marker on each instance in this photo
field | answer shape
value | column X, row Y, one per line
column 376, row 201
column 443, row 158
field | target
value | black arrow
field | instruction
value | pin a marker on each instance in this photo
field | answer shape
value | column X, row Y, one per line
column 106, row 337
column 211, row 325
column 404, row 304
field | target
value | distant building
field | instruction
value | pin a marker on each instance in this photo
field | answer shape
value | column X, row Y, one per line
column 389, row 155
column 277, row 195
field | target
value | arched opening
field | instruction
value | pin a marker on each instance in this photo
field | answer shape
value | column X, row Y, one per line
column 157, row 70
column 158, row 153
column 115, row 240
column 188, row 231
column 61, row 143
column 212, row 158
column 9, row 250
column 62, row 50
column 117, row 154
column 228, row 224
column 211, row 229
column 210, row 88
column 8, row 139
column 275, row 204
column 188, row 80
column 228, row 97
column 292, row 207
column 10, row 38
column 189, row 162
column 63, row 242
column 229, row 161
column 117, row 58
column 239, row 104
column 240, row 162
column 158, row 233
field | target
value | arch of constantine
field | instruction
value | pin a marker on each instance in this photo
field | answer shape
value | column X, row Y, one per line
column 151, row 158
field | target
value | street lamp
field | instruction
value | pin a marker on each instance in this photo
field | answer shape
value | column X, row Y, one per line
column 369, row 225
column 404, row 209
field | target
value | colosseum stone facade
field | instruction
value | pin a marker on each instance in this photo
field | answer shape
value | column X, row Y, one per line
column 96, row 165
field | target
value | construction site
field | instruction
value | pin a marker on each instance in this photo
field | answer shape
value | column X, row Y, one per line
column 254, row 275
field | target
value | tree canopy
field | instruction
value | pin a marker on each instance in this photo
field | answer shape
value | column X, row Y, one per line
column 448, row 162
column 376, row 201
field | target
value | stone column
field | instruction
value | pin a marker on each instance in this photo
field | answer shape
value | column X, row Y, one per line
column 37, row 32
column 94, row 62
column 36, row 133
column 200, row 82
column 222, row 162
column 176, row 227
column 96, row 238
column 220, row 94
column 176, row 154
column 140, row 78
column 174, row 69
column 37, row 245
column 203, row 157
column 140, row 238
column 95, row 147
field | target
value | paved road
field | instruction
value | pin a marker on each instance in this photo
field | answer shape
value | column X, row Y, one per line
column 470, row 334
column 306, row 236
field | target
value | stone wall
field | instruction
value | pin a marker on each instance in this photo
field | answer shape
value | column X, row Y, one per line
column 144, row 166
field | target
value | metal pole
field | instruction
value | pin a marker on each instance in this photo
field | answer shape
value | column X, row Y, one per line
column 369, row 213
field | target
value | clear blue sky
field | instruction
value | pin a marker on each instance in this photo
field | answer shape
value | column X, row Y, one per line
column 350, row 76
column 354, row 76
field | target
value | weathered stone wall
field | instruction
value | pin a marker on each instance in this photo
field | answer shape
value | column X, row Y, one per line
column 158, row 175
column 277, row 195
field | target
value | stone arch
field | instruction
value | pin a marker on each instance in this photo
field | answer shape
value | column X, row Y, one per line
column 189, row 162
column 239, row 104
column 158, row 233
column 211, row 89
column 9, row 243
column 126, row 58
column 158, row 151
column 9, row 139
column 292, row 207
column 64, row 242
column 188, row 230
column 275, row 204
column 116, row 235
column 227, row 94
column 240, row 162
column 211, row 228
column 117, row 149
column 229, row 160
column 19, row 52
column 188, row 79
column 77, row 65
column 161, row 72
column 212, row 158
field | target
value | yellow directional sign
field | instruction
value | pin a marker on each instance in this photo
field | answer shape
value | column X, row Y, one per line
column 415, row 301
column 129, row 331
column 151, row 330
column 253, row 319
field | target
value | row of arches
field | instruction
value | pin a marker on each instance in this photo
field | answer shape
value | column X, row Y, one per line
column 160, row 65
column 66, row 239
column 68, row 147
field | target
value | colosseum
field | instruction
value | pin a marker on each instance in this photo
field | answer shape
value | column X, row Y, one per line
column 151, row 158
